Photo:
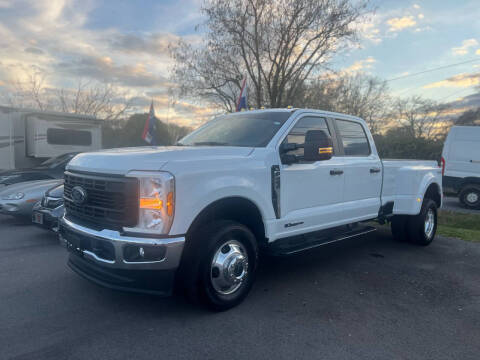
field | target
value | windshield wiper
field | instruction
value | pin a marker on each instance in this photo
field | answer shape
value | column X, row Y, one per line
column 210, row 143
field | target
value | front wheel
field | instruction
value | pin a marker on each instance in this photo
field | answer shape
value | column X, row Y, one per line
column 421, row 228
column 223, row 271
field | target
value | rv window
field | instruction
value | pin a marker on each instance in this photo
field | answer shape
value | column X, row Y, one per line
column 69, row 137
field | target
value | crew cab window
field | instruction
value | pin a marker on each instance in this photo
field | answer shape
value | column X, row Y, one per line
column 297, row 134
column 354, row 139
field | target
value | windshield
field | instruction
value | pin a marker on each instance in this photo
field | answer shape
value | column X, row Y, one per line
column 55, row 161
column 249, row 129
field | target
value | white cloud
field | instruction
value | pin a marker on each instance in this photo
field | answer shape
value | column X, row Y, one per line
column 400, row 23
column 465, row 47
column 360, row 65
column 458, row 81
column 416, row 6
column 420, row 16
column 369, row 31
column 52, row 38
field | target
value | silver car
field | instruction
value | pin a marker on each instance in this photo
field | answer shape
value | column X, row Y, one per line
column 19, row 199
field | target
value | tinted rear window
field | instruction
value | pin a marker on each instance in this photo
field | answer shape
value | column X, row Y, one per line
column 69, row 137
column 354, row 139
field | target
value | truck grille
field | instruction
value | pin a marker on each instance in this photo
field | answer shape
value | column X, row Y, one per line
column 111, row 201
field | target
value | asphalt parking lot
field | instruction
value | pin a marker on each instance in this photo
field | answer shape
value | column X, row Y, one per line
column 368, row 298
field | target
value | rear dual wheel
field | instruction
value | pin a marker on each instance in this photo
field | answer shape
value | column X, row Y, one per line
column 418, row 229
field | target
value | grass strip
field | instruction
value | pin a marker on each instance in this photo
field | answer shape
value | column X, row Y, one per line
column 459, row 225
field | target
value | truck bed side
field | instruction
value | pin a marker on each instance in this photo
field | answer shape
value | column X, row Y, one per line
column 405, row 182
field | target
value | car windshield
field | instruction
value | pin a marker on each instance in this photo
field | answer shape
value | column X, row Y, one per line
column 54, row 162
column 254, row 129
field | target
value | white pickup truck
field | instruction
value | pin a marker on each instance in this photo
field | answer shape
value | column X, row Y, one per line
column 197, row 214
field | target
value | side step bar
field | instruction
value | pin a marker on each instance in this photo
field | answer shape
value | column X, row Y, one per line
column 296, row 244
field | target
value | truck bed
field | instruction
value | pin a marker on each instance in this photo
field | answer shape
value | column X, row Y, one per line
column 405, row 182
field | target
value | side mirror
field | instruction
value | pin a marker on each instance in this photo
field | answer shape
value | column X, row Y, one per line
column 318, row 146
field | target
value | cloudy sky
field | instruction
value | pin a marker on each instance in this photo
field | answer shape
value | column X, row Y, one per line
column 125, row 42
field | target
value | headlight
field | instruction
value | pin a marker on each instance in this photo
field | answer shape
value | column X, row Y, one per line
column 156, row 202
column 15, row 196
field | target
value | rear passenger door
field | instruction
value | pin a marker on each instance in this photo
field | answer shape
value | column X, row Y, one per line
column 363, row 171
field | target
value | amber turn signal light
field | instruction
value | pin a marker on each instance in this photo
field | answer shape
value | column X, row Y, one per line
column 325, row 150
column 170, row 204
column 151, row 203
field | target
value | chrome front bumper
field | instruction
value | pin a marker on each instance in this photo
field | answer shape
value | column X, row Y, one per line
column 170, row 261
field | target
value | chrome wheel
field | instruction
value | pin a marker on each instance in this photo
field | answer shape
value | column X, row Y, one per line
column 429, row 223
column 229, row 268
column 472, row 197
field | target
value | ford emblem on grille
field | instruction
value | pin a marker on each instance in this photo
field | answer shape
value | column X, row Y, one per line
column 79, row 195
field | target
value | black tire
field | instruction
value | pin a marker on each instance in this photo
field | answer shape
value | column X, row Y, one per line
column 418, row 231
column 197, row 271
column 470, row 196
column 398, row 226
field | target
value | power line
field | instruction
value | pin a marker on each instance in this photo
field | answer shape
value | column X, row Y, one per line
column 435, row 69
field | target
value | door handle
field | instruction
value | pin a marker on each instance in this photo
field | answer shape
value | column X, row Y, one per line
column 336, row 172
column 374, row 170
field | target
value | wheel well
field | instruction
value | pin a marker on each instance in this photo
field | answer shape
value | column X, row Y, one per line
column 433, row 192
column 237, row 209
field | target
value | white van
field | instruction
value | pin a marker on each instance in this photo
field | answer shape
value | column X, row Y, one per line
column 461, row 164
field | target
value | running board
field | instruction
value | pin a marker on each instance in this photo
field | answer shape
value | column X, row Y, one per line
column 296, row 244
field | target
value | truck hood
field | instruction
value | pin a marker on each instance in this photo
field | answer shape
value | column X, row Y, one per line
column 121, row 161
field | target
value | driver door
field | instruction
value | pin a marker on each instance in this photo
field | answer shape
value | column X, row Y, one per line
column 311, row 192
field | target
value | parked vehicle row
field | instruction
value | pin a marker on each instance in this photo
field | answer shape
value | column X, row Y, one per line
column 197, row 215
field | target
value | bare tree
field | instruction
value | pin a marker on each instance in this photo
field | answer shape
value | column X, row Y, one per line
column 360, row 95
column 30, row 92
column 277, row 44
column 423, row 118
column 101, row 100
column 97, row 99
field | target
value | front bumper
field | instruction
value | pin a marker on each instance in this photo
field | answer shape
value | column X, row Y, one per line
column 11, row 207
column 100, row 257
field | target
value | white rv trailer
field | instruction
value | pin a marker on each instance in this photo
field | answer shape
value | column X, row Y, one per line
column 28, row 137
